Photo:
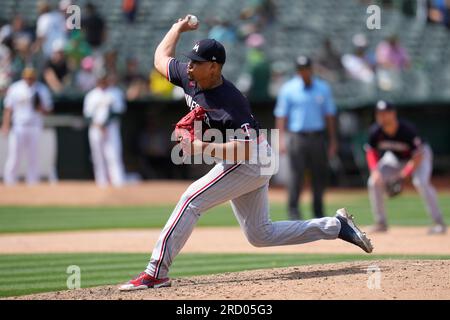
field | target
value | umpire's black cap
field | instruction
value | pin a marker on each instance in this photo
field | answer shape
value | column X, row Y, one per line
column 303, row 62
column 383, row 105
column 207, row 50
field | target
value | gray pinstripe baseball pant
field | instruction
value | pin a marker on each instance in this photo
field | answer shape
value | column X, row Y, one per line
column 248, row 193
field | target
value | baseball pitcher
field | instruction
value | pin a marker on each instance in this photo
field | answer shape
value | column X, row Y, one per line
column 218, row 104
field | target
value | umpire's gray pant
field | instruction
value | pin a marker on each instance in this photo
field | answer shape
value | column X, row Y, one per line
column 306, row 151
column 421, row 181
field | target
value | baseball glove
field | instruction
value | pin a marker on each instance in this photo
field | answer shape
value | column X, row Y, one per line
column 394, row 187
column 37, row 101
column 185, row 131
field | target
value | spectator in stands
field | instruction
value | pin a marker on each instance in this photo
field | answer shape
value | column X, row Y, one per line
column 258, row 67
column 391, row 55
column 360, row 64
column 418, row 9
column 85, row 78
column 5, row 68
column 10, row 33
column 50, row 27
column 93, row 26
column 328, row 62
column 5, row 32
column 262, row 12
column 129, row 9
column 110, row 62
column 63, row 6
column 222, row 31
column 76, row 49
column 439, row 12
column 159, row 86
column 17, row 29
column 132, row 70
column 392, row 59
column 135, row 82
column 56, row 71
column 256, row 15
column 306, row 110
column 22, row 57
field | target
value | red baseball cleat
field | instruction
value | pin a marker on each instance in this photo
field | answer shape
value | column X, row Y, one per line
column 144, row 281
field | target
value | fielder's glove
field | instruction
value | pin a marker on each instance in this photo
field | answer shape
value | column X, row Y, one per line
column 37, row 102
column 185, row 131
column 394, row 187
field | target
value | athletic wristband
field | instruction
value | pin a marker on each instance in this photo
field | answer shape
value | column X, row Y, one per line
column 407, row 170
column 372, row 159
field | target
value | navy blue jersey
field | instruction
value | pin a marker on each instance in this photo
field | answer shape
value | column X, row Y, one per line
column 226, row 107
column 403, row 144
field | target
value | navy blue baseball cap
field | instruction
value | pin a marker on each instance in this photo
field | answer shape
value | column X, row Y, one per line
column 303, row 62
column 383, row 105
column 207, row 50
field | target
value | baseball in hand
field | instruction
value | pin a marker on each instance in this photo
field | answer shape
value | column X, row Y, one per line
column 193, row 21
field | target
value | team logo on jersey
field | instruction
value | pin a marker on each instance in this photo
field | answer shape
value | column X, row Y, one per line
column 397, row 146
column 190, row 102
column 246, row 127
column 195, row 48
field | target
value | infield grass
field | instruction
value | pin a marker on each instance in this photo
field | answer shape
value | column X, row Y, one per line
column 407, row 210
column 33, row 273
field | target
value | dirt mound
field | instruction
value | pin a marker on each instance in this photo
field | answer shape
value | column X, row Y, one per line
column 387, row 279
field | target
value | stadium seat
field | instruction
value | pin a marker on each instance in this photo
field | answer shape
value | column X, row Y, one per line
column 301, row 26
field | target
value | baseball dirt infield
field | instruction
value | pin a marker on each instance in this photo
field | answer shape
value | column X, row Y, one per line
column 385, row 279
column 376, row 279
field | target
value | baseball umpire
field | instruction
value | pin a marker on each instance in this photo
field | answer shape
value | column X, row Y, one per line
column 306, row 114
column 394, row 153
column 235, row 178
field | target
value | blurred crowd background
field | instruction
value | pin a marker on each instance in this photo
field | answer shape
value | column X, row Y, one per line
column 406, row 61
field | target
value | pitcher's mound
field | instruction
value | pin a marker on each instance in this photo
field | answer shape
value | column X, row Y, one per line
column 385, row 279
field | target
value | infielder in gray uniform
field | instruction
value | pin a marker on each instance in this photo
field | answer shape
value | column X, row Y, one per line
column 394, row 153
column 235, row 177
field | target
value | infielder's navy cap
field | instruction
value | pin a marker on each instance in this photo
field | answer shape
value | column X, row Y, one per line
column 303, row 62
column 207, row 50
column 383, row 105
